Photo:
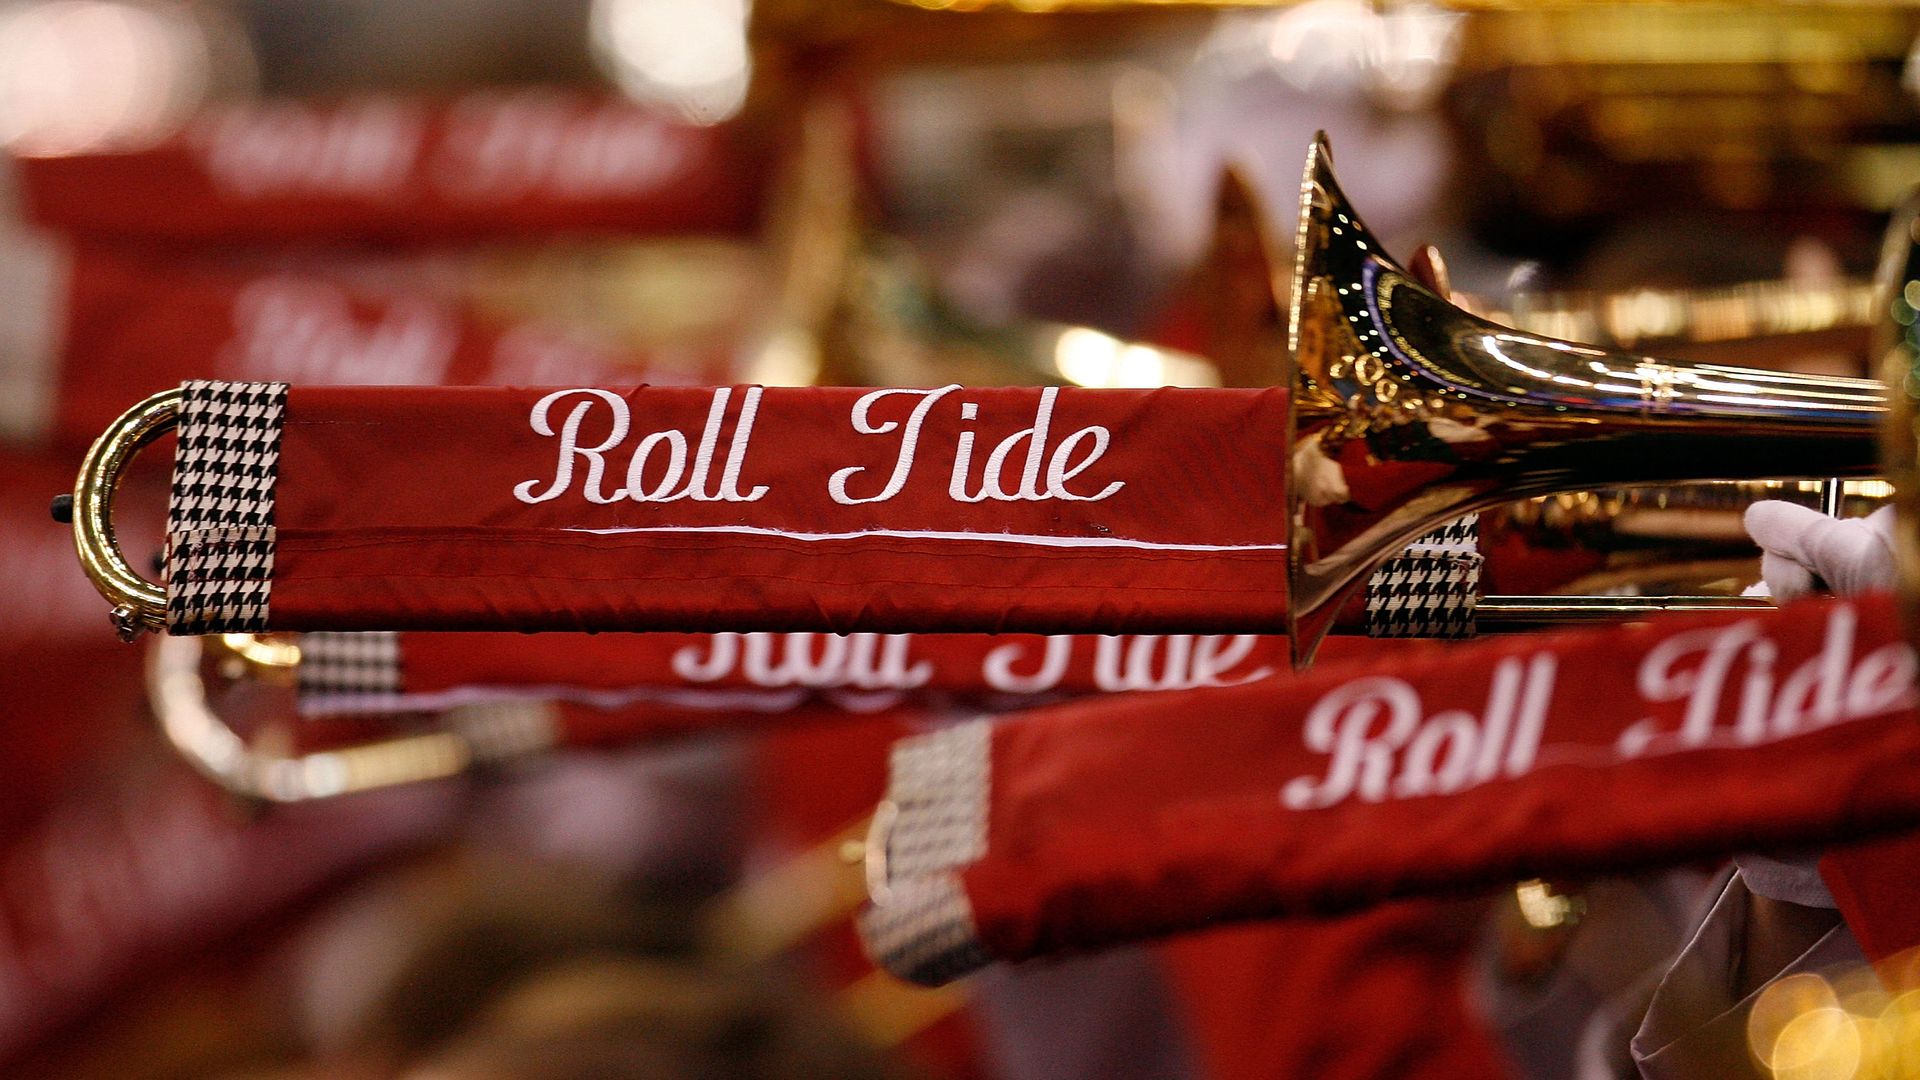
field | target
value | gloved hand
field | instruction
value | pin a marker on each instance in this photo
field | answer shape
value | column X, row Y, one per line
column 1797, row 545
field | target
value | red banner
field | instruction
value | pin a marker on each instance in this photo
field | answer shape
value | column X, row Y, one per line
column 98, row 329
column 739, row 509
column 346, row 673
column 1099, row 822
column 618, row 690
column 52, row 719
column 394, row 169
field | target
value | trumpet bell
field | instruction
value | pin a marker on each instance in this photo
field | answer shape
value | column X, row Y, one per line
column 1408, row 412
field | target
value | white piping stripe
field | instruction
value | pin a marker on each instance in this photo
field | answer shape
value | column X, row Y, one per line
column 996, row 538
column 338, row 702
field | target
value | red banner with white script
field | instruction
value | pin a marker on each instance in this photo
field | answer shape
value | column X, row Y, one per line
column 735, row 508
column 760, row 672
column 393, row 169
column 1099, row 822
column 95, row 329
column 622, row 689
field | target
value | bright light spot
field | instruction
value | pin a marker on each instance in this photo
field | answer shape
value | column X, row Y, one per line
column 1545, row 909
column 1088, row 357
column 1141, row 366
column 688, row 55
column 1645, row 314
column 1414, row 50
column 1323, row 44
column 1819, row 1044
column 1779, row 1004
column 789, row 357
column 84, row 76
column 1898, row 1032
column 1403, row 54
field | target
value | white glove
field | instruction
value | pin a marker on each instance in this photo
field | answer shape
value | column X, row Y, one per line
column 1797, row 544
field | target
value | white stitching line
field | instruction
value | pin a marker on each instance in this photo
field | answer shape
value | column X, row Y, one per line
column 996, row 538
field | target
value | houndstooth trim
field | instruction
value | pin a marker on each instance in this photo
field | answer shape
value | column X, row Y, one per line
column 1430, row 589
column 220, row 533
column 938, row 783
column 924, row 933
column 349, row 672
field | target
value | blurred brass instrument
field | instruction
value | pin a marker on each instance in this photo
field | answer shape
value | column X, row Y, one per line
column 1726, row 315
column 1709, row 510
column 1678, row 539
column 259, row 771
column 1408, row 412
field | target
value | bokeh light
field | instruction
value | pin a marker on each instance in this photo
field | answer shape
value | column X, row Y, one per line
column 91, row 75
column 687, row 55
column 1087, row 357
column 1850, row 1023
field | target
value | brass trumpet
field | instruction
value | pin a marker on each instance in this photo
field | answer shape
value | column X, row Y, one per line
column 1408, row 412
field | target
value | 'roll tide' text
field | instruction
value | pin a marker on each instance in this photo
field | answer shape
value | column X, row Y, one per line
column 1033, row 464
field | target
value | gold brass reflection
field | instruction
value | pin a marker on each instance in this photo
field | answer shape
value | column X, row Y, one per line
column 1407, row 412
column 139, row 605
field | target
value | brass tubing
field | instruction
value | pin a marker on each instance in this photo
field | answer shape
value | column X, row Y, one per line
column 139, row 605
column 178, row 695
column 1503, row 614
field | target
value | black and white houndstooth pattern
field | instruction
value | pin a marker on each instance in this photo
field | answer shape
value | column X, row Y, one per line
column 358, row 670
column 220, row 533
column 1430, row 589
column 924, row 933
column 920, row 925
column 938, row 783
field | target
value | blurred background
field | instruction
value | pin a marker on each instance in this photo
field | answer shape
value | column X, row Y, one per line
column 793, row 191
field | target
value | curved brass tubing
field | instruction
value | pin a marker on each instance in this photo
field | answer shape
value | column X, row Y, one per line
column 139, row 605
column 273, row 659
column 178, row 695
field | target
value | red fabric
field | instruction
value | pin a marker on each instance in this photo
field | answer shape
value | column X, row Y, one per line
column 608, row 690
column 612, row 690
column 1463, row 765
column 393, row 169
column 137, row 324
column 143, row 868
column 448, row 509
column 1517, row 564
column 863, row 667
column 114, row 858
column 810, row 784
column 1873, row 882
column 1375, row 994
column 54, row 723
